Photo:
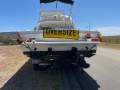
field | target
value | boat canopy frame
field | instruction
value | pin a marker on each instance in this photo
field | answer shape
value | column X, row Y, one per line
column 71, row 2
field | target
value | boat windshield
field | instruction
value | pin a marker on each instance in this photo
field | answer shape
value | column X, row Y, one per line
column 55, row 20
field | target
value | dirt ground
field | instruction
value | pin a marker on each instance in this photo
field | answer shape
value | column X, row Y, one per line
column 11, row 60
column 16, row 72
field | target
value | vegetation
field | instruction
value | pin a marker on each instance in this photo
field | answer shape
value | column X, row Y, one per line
column 8, row 38
column 111, row 42
column 7, row 41
column 111, row 39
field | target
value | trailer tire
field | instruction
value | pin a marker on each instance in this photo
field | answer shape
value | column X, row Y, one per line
column 36, row 67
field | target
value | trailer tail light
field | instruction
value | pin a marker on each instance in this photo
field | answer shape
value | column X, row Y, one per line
column 87, row 35
column 94, row 39
column 97, row 38
column 29, row 40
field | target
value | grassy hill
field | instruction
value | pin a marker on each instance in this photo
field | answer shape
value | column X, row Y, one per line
column 111, row 39
column 8, row 38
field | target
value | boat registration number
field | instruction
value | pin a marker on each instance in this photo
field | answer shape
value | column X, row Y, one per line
column 66, row 34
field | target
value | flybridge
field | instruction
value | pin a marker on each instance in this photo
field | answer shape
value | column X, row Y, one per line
column 63, row 1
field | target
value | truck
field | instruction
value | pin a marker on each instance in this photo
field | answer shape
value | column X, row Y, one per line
column 55, row 40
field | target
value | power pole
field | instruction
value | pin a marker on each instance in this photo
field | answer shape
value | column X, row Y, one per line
column 89, row 27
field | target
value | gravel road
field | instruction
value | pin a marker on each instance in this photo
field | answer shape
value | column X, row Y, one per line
column 16, row 73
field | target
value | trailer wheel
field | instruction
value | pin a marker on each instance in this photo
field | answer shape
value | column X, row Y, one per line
column 36, row 67
column 82, row 63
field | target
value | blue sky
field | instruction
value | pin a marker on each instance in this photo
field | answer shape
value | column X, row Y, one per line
column 102, row 15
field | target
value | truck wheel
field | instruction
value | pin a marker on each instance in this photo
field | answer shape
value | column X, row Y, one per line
column 36, row 67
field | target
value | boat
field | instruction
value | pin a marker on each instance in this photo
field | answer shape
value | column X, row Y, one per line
column 55, row 37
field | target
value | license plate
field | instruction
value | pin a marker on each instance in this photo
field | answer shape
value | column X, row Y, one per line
column 66, row 34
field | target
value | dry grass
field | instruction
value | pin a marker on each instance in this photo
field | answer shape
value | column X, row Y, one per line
column 111, row 42
column 108, row 45
column 11, row 60
column 111, row 39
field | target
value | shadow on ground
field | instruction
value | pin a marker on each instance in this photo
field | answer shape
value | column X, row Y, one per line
column 27, row 79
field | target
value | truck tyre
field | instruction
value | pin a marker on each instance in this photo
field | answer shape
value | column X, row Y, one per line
column 36, row 67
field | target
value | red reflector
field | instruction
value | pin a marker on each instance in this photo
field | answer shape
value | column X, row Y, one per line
column 29, row 40
column 88, row 35
column 94, row 39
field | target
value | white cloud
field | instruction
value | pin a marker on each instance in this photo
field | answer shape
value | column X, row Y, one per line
column 13, row 29
column 109, row 31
